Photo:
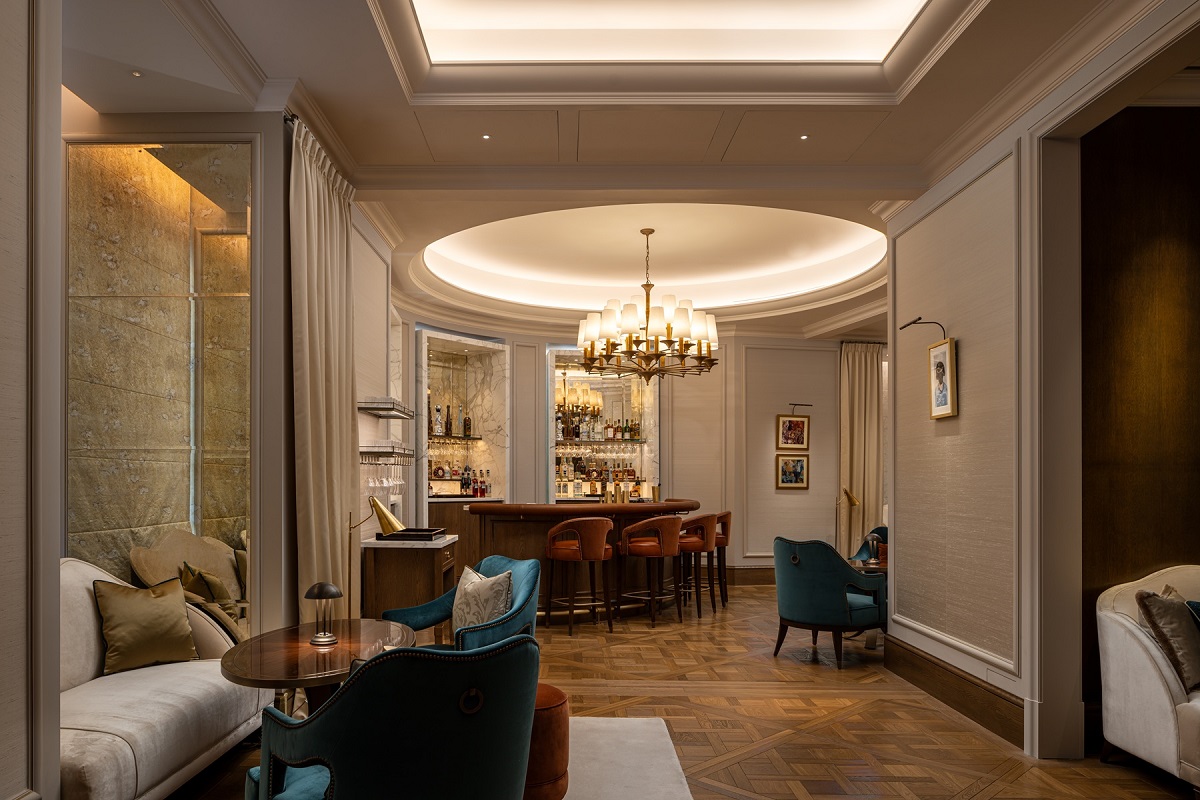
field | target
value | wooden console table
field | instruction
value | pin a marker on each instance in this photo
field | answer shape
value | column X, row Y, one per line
column 405, row 574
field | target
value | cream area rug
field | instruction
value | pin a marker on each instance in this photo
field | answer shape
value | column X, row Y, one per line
column 623, row 759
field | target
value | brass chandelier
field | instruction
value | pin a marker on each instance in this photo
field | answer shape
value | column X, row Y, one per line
column 638, row 338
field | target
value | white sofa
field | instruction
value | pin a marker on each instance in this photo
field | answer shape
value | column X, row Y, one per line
column 1147, row 711
column 142, row 733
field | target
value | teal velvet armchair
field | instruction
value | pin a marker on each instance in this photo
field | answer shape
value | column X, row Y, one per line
column 521, row 616
column 410, row 723
column 814, row 587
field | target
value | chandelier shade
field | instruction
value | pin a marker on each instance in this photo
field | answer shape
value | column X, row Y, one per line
column 647, row 340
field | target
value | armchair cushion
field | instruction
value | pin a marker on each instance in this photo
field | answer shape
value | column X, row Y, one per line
column 143, row 626
column 1174, row 628
column 299, row 783
column 479, row 599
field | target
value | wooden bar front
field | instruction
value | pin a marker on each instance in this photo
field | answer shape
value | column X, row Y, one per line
column 518, row 530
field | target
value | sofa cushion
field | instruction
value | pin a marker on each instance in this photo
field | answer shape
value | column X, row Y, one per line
column 96, row 764
column 143, row 626
column 166, row 715
column 1174, row 628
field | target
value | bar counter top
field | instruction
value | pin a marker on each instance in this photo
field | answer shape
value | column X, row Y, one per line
column 565, row 510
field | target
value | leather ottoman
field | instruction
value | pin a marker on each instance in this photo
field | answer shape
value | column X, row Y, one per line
column 549, row 746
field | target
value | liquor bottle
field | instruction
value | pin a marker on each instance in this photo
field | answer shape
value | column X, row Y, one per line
column 637, row 429
column 575, row 429
column 630, row 472
column 625, row 430
column 449, row 421
column 466, row 425
column 438, row 428
column 487, row 485
column 429, row 412
column 475, row 492
column 460, row 420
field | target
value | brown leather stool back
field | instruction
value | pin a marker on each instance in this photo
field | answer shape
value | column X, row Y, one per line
column 580, row 539
column 660, row 533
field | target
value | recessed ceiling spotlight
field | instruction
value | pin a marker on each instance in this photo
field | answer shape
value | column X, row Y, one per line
column 137, row 73
column 486, row 136
column 804, row 136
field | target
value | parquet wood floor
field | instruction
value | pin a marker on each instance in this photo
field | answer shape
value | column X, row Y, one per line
column 750, row 726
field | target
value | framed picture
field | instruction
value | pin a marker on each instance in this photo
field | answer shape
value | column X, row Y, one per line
column 791, row 472
column 943, row 380
column 791, row 432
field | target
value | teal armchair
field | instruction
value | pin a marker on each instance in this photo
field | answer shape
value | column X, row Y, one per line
column 400, row 726
column 814, row 587
column 521, row 616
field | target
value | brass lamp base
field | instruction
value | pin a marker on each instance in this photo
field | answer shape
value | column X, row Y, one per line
column 323, row 639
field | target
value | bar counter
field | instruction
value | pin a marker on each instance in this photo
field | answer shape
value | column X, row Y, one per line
column 518, row 530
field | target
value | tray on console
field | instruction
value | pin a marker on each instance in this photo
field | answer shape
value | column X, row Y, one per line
column 412, row 535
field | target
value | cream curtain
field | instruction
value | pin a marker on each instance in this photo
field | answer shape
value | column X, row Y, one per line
column 326, row 418
column 862, row 443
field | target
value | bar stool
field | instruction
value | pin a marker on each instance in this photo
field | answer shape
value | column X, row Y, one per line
column 724, row 524
column 655, row 540
column 699, row 535
column 574, row 541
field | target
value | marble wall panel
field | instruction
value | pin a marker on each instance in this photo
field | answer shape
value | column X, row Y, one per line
column 224, row 263
column 127, row 488
column 225, row 487
column 226, row 430
column 220, row 171
column 226, row 323
column 108, row 350
column 103, row 417
column 226, row 529
column 99, row 267
column 109, row 550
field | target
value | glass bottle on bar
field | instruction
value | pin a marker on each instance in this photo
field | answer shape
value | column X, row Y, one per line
column 466, row 425
column 438, row 428
column 449, row 421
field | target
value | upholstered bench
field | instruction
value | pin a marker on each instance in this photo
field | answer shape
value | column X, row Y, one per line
column 141, row 733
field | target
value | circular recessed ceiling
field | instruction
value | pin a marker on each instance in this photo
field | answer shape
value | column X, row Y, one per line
column 717, row 255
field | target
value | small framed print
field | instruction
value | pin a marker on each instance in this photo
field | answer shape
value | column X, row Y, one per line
column 943, row 380
column 791, row 432
column 791, row 472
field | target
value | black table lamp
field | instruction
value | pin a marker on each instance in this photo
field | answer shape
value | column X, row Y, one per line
column 324, row 593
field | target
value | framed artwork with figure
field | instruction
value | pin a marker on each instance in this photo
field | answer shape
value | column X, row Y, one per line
column 943, row 380
column 791, row 472
column 791, row 432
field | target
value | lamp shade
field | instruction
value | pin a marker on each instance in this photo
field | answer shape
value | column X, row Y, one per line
column 699, row 326
column 608, row 324
column 387, row 520
column 582, row 340
column 322, row 591
column 681, row 324
column 712, row 329
column 629, row 319
column 668, row 305
column 614, row 304
column 658, row 323
column 593, row 326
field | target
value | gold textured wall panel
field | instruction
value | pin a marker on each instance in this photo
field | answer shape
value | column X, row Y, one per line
column 953, row 514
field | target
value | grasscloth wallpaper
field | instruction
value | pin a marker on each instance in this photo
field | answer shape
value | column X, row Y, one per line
column 954, row 527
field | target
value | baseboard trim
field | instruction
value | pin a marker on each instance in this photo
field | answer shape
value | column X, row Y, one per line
column 750, row 576
column 1001, row 712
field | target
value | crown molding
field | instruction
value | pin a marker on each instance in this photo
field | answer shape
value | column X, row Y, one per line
column 383, row 222
column 844, row 178
column 1181, row 90
column 217, row 39
column 1099, row 29
column 886, row 209
column 847, row 320
column 302, row 104
column 883, row 83
column 275, row 93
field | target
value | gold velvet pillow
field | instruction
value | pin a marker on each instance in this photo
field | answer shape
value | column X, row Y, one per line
column 205, row 584
column 1174, row 628
column 143, row 626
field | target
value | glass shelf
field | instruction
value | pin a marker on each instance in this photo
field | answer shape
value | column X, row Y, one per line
column 385, row 408
column 454, row 438
column 597, row 442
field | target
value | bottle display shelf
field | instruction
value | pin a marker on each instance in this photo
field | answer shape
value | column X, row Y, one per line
column 385, row 408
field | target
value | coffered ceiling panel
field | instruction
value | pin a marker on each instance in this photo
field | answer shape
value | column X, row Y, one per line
column 490, row 137
column 800, row 137
column 643, row 136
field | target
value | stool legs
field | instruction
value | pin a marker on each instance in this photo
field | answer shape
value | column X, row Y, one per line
column 549, row 591
column 722, row 577
column 607, row 603
column 570, row 599
column 712, row 584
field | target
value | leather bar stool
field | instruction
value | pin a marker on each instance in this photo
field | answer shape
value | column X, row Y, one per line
column 699, row 535
column 655, row 540
column 724, row 526
column 573, row 541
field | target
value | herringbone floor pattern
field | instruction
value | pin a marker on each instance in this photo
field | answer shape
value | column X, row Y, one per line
column 749, row 726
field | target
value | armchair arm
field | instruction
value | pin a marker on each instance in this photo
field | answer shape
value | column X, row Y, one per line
column 426, row 615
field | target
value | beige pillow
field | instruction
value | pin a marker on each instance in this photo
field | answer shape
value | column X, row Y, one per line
column 143, row 626
column 1174, row 628
column 478, row 599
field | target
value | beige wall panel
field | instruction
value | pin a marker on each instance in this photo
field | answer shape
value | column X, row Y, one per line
column 370, row 319
column 15, row 641
column 101, row 483
column 108, row 351
column 773, row 137
column 646, row 135
column 696, row 419
column 954, row 497
column 528, row 434
column 776, row 375
column 99, row 267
